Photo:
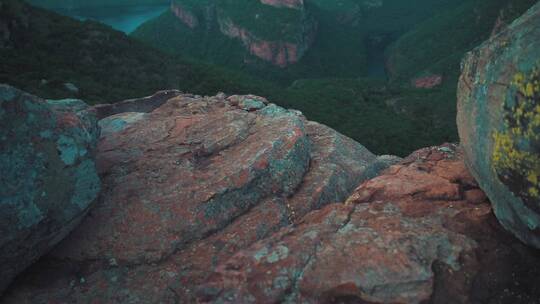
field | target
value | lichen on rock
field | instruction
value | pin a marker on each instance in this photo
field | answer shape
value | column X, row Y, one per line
column 516, row 155
column 48, row 175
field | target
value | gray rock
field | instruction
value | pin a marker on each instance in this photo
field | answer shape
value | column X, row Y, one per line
column 499, row 123
column 48, row 177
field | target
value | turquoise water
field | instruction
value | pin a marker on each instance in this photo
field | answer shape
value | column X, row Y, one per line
column 125, row 19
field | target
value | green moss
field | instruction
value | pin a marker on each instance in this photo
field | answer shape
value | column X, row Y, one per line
column 516, row 155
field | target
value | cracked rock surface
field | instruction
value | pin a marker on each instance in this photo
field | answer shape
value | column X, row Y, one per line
column 418, row 233
column 187, row 183
column 235, row 200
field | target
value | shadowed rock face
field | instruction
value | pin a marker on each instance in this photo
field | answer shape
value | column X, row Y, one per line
column 48, row 177
column 421, row 232
column 499, row 123
column 186, row 186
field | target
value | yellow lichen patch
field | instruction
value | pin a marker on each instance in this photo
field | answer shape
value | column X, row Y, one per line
column 515, row 157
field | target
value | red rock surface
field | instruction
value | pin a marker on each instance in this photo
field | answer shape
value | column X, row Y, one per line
column 229, row 200
column 296, row 4
column 279, row 53
column 407, row 236
column 427, row 82
column 185, row 187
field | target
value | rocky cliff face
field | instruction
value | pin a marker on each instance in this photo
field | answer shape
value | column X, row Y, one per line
column 499, row 123
column 289, row 43
column 279, row 53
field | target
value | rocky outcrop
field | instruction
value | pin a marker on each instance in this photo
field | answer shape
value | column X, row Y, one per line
column 420, row 233
column 296, row 4
column 427, row 82
column 188, row 185
column 48, row 177
column 499, row 123
column 236, row 200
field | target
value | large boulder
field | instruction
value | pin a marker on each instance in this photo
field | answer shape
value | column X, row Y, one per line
column 422, row 232
column 499, row 123
column 48, row 176
column 186, row 186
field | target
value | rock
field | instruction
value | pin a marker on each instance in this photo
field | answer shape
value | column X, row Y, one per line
column 407, row 236
column 427, row 82
column 71, row 88
column 499, row 123
column 277, row 52
column 295, row 4
column 48, row 175
column 248, row 102
column 188, row 185
column 139, row 105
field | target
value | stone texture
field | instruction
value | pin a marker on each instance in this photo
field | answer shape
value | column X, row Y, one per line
column 407, row 236
column 427, row 82
column 499, row 123
column 48, row 175
column 188, row 185
column 296, row 4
